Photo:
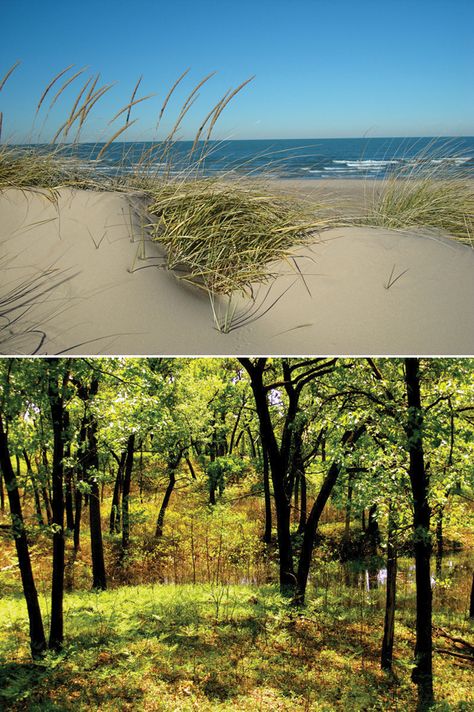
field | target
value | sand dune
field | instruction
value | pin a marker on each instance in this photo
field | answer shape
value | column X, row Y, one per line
column 80, row 275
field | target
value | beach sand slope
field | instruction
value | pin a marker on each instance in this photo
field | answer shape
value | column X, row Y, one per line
column 81, row 276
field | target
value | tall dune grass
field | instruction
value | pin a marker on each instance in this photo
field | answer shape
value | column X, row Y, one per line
column 422, row 194
column 223, row 236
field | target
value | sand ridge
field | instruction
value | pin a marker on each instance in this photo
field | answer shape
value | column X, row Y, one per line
column 101, row 288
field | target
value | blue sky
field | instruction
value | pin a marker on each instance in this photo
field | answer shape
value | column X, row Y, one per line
column 324, row 68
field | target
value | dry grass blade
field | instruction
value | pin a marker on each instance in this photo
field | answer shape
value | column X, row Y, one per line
column 65, row 85
column 132, row 98
column 129, row 107
column 203, row 125
column 51, row 84
column 224, row 103
column 8, row 74
column 1, row 124
column 168, row 97
column 116, row 135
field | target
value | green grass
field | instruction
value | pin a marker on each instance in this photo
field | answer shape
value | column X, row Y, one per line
column 162, row 647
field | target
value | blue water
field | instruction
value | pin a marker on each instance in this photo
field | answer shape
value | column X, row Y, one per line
column 310, row 159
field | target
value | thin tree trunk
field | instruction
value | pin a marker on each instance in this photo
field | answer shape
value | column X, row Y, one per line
column 126, row 491
column 29, row 470
column 172, row 467
column 56, row 631
column 471, row 604
column 439, row 543
column 349, row 439
column 2, row 492
column 267, row 534
column 390, row 602
column 347, row 523
column 115, row 519
column 37, row 637
column 422, row 673
column 68, row 476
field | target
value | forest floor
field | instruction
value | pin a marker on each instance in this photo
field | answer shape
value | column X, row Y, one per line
column 219, row 647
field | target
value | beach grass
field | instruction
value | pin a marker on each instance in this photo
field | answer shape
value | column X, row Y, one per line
column 223, row 236
column 422, row 194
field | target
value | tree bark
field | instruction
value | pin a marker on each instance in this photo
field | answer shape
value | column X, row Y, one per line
column 115, row 517
column 390, row 601
column 471, row 604
column 30, row 473
column 68, row 476
column 56, row 402
column 267, row 534
column 37, row 637
column 126, row 491
column 349, row 439
column 172, row 467
column 422, row 673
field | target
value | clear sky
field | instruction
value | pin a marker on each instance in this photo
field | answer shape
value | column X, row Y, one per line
column 324, row 68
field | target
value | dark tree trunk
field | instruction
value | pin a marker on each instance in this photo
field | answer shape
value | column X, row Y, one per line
column 439, row 543
column 172, row 467
column 303, row 503
column 347, row 522
column 390, row 601
column 115, row 519
column 99, row 580
column 422, row 673
column 68, row 476
column 77, row 520
column 29, row 470
column 55, row 388
column 90, row 464
column 267, row 534
column 278, row 472
column 471, row 604
column 37, row 637
column 349, row 439
column 2, row 492
column 126, row 491
column 372, row 532
column 191, row 468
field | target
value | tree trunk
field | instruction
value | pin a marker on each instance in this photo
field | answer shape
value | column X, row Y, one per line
column 56, row 403
column 422, row 673
column 126, row 491
column 29, row 470
column 115, row 518
column 471, row 604
column 349, row 439
column 277, row 469
column 267, row 534
column 2, row 492
column 390, row 601
column 68, row 483
column 439, row 543
column 303, row 503
column 91, row 470
column 37, row 637
column 347, row 522
column 372, row 532
column 166, row 499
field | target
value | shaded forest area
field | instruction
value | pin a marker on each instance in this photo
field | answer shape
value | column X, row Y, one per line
column 273, row 534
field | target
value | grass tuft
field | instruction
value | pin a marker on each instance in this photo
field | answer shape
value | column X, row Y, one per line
column 425, row 198
column 224, row 236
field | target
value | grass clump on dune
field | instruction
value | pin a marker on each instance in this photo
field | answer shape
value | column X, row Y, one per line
column 36, row 168
column 224, row 236
column 425, row 201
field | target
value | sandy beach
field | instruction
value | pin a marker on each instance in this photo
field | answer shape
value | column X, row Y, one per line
column 81, row 276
